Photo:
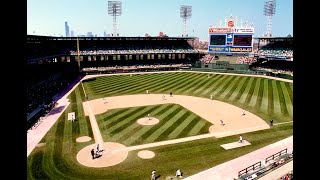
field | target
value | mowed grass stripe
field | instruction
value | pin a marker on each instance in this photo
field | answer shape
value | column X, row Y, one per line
column 80, row 114
column 135, row 85
column 235, row 84
column 199, row 127
column 178, row 121
column 260, row 94
column 181, row 127
column 132, row 82
column 110, row 114
column 207, row 81
column 209, row 86
column 169, row 83
column 289, row 90
column 255, row 93
column 152, row 87
column 143, row 85
column 122, row 120
column 206, row 86
column 132, row 119
column 183, row 82
column 226, row 86
column 270, row 107
column 142, row 88
column 222, row 86
column 100, row 83
column 240, row 87
column 190, row 88
column 67, row 130
column 230, row 88
column 186, row 131
column 265, row 96
column 127, row 79
column 109, row 122
column 155, row 88
column 276, row 99
column 287, row 98
column 283, row 106
column 145, row 132
column 170, row 120
column 214, row 86
column 109, row 86
column 191, row 84
column 245, row 96
column 126, row 133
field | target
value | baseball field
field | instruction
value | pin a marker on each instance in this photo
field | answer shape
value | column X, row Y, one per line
column 117, row 102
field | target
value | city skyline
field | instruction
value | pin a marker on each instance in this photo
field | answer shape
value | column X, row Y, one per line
column 141, row 17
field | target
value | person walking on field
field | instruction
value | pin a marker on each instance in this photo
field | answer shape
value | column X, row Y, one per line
column 153, row 175
column 240, row 139
column 179, row 173
column 92, row 153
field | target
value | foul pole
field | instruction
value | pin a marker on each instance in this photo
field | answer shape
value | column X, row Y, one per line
column 78, row 52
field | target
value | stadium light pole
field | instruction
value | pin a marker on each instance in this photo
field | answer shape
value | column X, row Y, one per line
column 185, row 13
column 78, row 52
column 114, row 10
column 269, row 10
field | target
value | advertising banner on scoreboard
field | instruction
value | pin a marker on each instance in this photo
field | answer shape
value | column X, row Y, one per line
column 243, row 30
column 238, row 49
column 219, row 30
column 218, row 49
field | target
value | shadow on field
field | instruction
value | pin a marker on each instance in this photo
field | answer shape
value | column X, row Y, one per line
column 56, row 110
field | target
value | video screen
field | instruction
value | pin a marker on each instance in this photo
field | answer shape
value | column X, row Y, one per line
column 218, row 40
column 242, row 40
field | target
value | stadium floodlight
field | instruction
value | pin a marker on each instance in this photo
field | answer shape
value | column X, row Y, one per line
column 269, row 10
column 185, row 13
column 114, row 10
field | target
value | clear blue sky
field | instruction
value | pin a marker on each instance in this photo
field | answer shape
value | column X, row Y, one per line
column 47, row 17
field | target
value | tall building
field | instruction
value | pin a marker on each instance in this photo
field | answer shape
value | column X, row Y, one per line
column 66, row 26
column 72, row 33
column 104, row 34
column 89, row 34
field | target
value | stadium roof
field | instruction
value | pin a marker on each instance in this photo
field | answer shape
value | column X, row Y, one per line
column 273, row 37
column 36, row 37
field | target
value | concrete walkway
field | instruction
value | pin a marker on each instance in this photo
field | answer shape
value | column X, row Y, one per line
column 34, row 136
column 229, row 170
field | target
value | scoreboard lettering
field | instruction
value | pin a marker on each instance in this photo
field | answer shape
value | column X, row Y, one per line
column 233, row 49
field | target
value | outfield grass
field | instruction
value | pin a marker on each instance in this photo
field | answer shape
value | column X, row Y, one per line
column 267, row 98
column 57, row 159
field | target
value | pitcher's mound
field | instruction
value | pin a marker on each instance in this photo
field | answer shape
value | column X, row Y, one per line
column 146, row 121
column 145, row 154
column 83, row 139
column 112, row 154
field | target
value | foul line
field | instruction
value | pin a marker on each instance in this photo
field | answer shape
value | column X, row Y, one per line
column 283, row 123
column 96, row 132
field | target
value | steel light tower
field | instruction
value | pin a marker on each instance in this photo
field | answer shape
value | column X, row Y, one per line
column 269, row 10
column 115, row 9
column 185, row 13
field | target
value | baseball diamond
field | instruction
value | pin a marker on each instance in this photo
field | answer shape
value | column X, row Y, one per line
column 181, row 138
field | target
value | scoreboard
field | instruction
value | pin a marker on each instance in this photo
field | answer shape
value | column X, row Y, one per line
column 230, row 40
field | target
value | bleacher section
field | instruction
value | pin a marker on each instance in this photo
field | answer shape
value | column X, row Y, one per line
column 271, row 163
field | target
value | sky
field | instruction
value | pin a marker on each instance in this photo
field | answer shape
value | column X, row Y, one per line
column 48, row 17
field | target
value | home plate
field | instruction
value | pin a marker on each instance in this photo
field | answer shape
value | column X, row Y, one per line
column 235, row 145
